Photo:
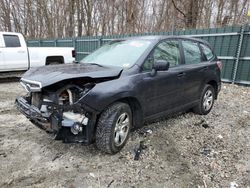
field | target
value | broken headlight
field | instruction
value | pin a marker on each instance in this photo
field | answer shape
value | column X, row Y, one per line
column 31, row 86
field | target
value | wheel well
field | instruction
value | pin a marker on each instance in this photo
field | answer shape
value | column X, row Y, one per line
column 215, row 86
column 136, row 110
column 53, row 59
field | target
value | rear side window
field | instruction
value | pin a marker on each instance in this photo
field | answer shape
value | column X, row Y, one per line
column 191, row 52
column 11, row 41
column 207, row 52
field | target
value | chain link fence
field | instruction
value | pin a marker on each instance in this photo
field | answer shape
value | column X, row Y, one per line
column 231, row 44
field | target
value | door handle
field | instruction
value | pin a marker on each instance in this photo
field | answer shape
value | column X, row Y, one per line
column 20, row 51
column 181, row 74
column 204, row 68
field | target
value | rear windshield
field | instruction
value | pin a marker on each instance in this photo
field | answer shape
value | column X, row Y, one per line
column 120, row 53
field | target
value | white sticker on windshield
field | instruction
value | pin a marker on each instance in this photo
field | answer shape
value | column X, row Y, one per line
column 136, row 44
column 126, row 65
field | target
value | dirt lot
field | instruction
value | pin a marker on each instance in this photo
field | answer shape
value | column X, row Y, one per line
column 183, row 151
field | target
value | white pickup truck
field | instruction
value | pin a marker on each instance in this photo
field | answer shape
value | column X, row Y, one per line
column 16, row 56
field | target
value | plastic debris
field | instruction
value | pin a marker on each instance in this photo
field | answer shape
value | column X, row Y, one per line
column 139, row 150
column 149, row 131
column 58, row 155
column 220, row 136
column 206, row 151
column 233, row 184
column 92, row 174
column 145, row 131
column 202, row 123
column 205, row 125
column 110, row 183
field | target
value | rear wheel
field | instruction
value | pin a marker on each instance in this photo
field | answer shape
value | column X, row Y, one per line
column 206, row 101
column 113, row 128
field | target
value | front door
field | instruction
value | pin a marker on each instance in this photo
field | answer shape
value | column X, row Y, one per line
column 162, row 91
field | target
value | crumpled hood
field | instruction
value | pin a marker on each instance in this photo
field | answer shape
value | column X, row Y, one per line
column 51, row 74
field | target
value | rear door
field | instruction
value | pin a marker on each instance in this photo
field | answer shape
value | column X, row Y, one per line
column 195, row 70
column 162, row 91
column 15, row 52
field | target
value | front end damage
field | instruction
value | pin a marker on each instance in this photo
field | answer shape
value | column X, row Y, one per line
column 58, row 110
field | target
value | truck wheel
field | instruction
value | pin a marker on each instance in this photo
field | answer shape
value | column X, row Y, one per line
column 113, row 128
column 206, row 101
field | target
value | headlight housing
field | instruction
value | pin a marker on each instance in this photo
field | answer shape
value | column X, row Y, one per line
column 31, row 86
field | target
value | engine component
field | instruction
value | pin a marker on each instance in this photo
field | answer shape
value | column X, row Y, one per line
column 75, row 121
column 76, row 128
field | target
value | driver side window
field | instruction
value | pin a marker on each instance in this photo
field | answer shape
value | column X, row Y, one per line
column 166, row 50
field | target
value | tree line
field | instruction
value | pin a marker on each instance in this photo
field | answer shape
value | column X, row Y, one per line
column 70, row 18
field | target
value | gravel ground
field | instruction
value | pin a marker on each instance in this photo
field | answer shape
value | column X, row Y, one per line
column 187, row 150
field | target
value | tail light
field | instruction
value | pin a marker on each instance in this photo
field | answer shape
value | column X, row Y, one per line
column 73, row 53
column 219, row 64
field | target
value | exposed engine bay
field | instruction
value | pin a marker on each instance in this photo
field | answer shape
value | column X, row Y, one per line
column 56, row 99
column 57, row 110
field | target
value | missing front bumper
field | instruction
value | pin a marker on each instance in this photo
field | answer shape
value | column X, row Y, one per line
column 57, row 124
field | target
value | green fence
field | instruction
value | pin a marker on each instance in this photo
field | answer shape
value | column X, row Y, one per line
column 231, row 44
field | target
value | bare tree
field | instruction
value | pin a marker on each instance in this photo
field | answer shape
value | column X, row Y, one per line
column 6, row 14
column 63, row 18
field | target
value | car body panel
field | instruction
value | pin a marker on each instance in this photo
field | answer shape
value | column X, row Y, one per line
column 48, row 75
column 157, row 96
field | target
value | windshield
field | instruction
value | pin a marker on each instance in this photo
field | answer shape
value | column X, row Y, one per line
column 121, row 53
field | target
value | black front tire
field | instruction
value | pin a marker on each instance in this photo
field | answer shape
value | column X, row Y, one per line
column 106, row 130
column 203, row 107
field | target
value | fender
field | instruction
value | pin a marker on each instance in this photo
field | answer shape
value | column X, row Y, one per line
column 212, row 78
column 106, row 93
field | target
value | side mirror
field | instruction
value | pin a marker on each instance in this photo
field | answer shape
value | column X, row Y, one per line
column 161, row 65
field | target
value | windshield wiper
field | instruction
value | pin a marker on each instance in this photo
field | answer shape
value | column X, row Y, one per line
column 92, row 64
column 96, row 64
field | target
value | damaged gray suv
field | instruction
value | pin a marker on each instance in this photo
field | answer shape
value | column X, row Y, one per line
column 119, row 87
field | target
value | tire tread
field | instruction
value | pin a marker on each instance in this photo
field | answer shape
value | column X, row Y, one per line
column 105, row 126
